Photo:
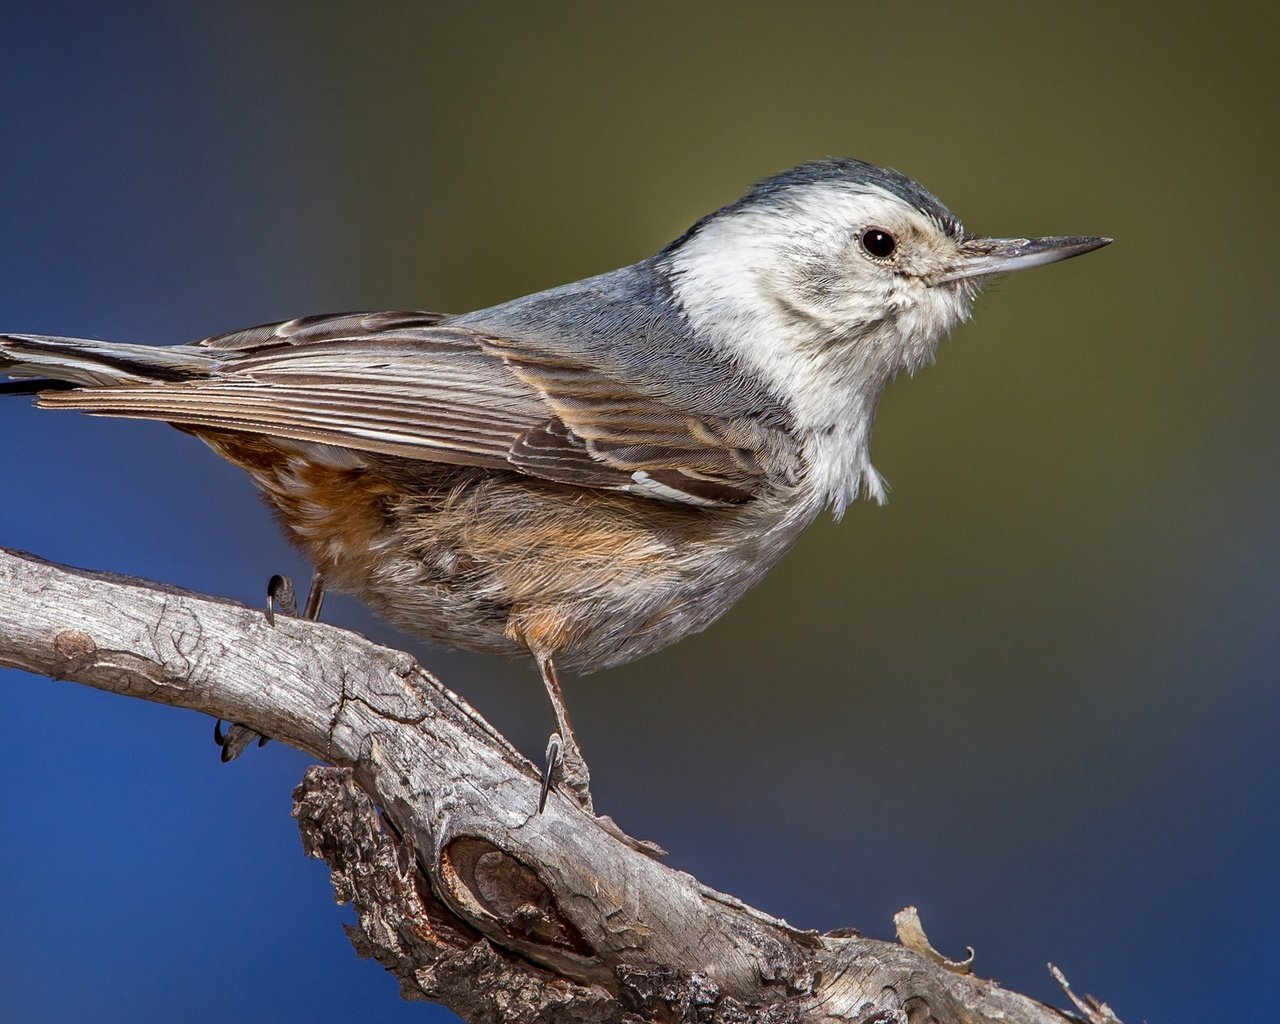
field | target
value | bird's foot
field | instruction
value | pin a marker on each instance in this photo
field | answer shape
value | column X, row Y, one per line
column 281, row 597
column 566, row 763
column 234, row 741
column 565, row 769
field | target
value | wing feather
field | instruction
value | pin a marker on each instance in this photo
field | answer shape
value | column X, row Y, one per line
column 413, row 386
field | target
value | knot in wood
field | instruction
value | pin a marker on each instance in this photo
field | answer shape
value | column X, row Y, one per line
column 490, row 883
column 74, row 643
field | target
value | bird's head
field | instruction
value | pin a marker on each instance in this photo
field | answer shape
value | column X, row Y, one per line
column 830, row 278
column 837, row 249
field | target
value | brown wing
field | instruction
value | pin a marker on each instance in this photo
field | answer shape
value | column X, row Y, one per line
column 410, row 385
column 665, row 452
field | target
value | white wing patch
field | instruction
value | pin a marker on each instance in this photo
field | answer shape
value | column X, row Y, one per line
column 644, row 484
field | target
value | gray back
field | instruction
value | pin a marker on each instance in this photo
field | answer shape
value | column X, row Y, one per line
column 627, row 324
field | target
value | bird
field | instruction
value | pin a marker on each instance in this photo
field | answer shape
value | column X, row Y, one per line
column 590, row 473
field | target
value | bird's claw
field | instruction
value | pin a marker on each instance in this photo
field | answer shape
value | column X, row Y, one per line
column 565, row 760
column 281, row 597
column 554, row 760
column 280, row 593
column 234, row 741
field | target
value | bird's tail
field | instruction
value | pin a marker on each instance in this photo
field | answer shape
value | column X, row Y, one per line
column 38, row 363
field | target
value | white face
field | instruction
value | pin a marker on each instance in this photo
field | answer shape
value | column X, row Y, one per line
column 826, row 292
column 826, row 265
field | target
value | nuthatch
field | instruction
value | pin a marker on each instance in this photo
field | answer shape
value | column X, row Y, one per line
column 595, row 471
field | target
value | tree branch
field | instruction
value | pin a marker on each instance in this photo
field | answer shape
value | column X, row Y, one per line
column 427, row 822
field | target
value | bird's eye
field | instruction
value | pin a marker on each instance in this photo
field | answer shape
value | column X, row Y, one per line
column 878, row 243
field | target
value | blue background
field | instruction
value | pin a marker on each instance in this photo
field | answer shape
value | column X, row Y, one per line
column 1035, row 695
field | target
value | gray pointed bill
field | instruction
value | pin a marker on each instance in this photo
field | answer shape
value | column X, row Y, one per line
column 981, row 257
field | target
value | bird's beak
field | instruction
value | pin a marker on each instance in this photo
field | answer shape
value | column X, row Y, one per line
column 981, row 257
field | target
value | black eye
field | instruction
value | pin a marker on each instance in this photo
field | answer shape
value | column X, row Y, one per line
column 878, row 243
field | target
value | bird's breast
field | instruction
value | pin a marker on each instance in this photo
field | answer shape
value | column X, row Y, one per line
column 497, row 562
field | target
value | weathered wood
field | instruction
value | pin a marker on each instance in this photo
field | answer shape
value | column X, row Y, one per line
column 428, row 822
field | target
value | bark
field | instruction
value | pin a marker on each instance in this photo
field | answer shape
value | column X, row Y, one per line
column 426, row 816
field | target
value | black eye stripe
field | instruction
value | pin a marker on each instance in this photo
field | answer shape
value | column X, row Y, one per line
column 878, row 243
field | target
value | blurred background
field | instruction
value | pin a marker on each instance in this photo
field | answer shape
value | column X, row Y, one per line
column 1035, row 695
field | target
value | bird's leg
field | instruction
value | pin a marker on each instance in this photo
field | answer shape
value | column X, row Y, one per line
column 315, row 598
column 563, row 753
column 280, row 594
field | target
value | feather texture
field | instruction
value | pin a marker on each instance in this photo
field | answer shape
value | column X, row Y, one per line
column 422, row 387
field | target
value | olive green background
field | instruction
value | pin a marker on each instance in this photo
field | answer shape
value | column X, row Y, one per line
column 1035, row 695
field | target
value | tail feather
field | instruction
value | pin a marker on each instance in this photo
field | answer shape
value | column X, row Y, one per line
column 33, row 359
column 33, row 386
